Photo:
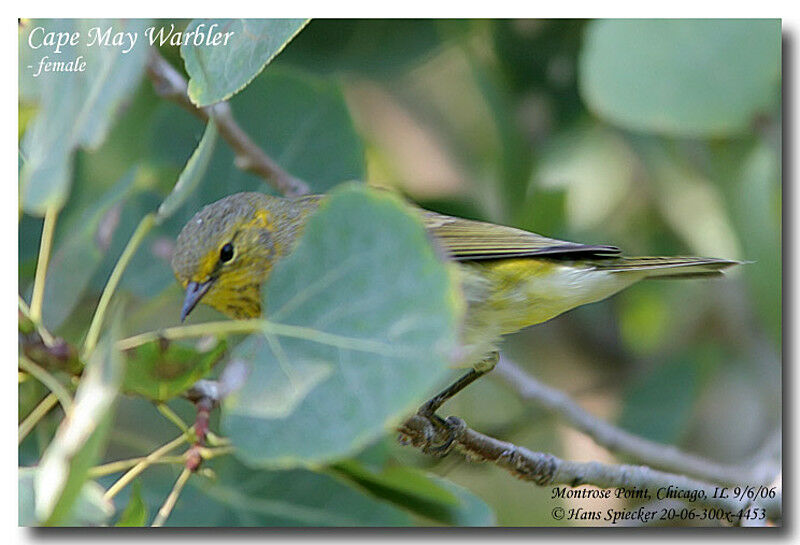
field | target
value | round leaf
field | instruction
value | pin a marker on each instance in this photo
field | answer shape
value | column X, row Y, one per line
column 372, row 315
column 681, row 77
column 217, row 71
column 302, row 121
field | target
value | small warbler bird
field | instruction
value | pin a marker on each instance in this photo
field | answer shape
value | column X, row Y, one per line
column 510, row 278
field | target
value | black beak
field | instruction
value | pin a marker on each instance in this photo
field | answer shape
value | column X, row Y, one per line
column 194, row 292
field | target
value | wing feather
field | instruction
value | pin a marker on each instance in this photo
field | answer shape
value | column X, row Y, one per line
column 469, row 240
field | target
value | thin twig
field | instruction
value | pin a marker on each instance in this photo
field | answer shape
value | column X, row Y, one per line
column 50, row 382
column 141, row 466
column 171, row 85
column 144, row 227
column 216, row 441
column 46, row 336
column 209, row 453
column 166, row 509
column 48, row 229
column 36, row 415
column 657, row 455
column 225, row 327
column 23, row 306
column 170, row 415
column 547, row 470
column 121, row 465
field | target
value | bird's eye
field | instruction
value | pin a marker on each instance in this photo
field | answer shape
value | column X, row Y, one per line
column 226, row 252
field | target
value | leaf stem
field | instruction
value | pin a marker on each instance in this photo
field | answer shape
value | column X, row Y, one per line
column 51, row 382
column 166, row 509
column 191, row 331
column 170, row 415
column 36, row 415
column 48, row 229
column 252, row 326
column 142, row 465
column 209, row 453
column 216, row 441
column 144, row 227
column 121, row 465
column 46, row 336
column 23, row 306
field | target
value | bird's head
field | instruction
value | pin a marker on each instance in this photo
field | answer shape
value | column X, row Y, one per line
column 226, row 251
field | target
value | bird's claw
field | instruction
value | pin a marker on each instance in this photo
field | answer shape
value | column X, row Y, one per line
column 448, row 433
column 436, row 436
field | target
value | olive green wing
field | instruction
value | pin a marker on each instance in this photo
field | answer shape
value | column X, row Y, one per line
column 469, row 240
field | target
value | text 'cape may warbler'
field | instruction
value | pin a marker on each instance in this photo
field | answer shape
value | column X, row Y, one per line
column 510, row 278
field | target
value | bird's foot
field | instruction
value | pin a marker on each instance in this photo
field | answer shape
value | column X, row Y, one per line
column 448, row 432
column 434, row 435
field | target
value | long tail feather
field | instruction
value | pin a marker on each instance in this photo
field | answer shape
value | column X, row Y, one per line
column 669, row 267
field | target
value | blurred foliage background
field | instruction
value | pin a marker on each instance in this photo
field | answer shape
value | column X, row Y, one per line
column 660, row 137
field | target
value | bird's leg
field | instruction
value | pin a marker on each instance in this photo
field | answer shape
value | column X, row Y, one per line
column 450, row 427
column 432, row 405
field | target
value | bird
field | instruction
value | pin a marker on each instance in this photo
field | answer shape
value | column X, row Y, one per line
column 510, row 278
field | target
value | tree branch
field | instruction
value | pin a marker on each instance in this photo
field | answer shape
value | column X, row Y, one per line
column 665, row 457
column 547, row 470
column 171, row 85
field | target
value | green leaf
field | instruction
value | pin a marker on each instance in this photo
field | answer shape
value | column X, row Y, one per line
column 289, row 382
column 303, row 123
column 135, row 513
column 161, row 372
column 241, row 496
column 192, row 173
column 78, row 442
column 78, row 257
column 217, row 72
column 90, row 508
column 687, row 77
column 374, row 314
column 421, row 493
column 76, row 108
